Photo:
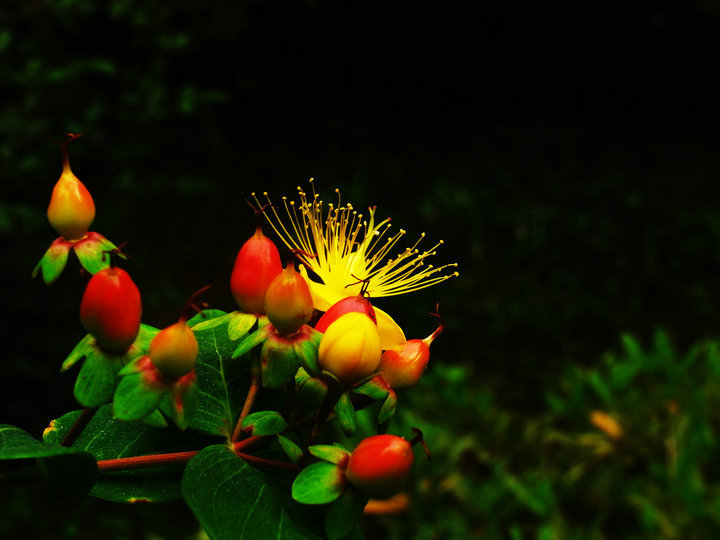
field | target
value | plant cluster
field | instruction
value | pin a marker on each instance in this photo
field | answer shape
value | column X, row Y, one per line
column 239, row 412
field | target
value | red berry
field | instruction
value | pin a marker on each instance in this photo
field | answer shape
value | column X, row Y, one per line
column 174, row 350
column 379, row 466
column 288, row 302
column 111, row 308
column 358, row 304
column 256, row 265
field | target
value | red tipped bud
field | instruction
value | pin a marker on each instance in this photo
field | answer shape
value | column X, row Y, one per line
column 71, row 209
column 358, row 304
column 288, row 302
column 174, row 350
column 111, row 309
column 379, row 466
column 350, row 348
column 256, row 265
column 402, row 367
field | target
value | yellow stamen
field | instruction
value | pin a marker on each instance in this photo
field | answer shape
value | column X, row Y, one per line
column 349, row 249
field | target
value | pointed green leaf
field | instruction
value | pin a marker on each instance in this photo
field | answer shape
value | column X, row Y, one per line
column 53, row 261
column 235, row 501
column 183, row 401
column 307, row 351
column 346, row 414
column 319, row 483
column 240, row 324
column 291, row 449
column 106, row 438
column 388, row 407
column 312, row 393
column 264, row 423
column 375, row 388
column 334, row 453
column 91, row 252
column 344, row 515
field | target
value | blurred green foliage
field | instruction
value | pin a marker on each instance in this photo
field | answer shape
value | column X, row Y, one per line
column 575, row 197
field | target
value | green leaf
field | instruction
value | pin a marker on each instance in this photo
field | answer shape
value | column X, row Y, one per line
column 53, row 261
column 291, row 449
column 264, row 423
column 106, row 438
column 334, row 453
column 64, row 470
column 235, row 501
column 307, row 352
column 344, row 515
column 183, row 401
column 240, row 324
column 98, row 378
column 221, row 384
column 346, row 414
column 319, row 483
column 388, row 407
column 278, row 362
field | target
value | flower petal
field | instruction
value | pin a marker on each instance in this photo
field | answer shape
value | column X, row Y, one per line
column 323, row 296
column 391, row 335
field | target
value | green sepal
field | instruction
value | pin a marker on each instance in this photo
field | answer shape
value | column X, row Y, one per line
column 319, row 483
column 183, row 400
column 388, row 407
column 346, row 414
column 91, row 252
column 53, row 261
column 376, row 388
column 307, row 352
column 207, row 319
column 278, row 362
column 98, row 377
column 334, row 453
column 312, row 393
column 291, row 449
column 344, row 515
column 139, row 393
column 251, row 341
column 81, row 350
column 240, row 324
column 155, row 419
column 264, row 423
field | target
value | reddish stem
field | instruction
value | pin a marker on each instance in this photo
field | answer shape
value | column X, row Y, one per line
column 269, row 462
column 247, row 407
column 78, row 427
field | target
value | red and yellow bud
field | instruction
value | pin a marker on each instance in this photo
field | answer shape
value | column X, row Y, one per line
column 288, row 302
column 350, row 348
column 256, row 265
column 111, row 309
column 358, row 304
column 174, row 350
column 379, row 466
column 403, row 366
column 71, row 209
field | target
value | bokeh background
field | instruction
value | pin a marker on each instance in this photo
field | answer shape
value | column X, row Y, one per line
column 567, row 155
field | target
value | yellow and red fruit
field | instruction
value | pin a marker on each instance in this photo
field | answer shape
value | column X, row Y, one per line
column 403, row 366
column 350, row 348
column 71, row 209
column 256, row 265
column 174, row 350
column 358, row 304
column 288, row 302
column 380, row 465
column 111, row 309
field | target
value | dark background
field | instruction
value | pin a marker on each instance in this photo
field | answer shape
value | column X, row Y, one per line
column 567, row 155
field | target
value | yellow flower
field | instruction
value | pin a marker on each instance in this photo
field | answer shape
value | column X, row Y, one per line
column 345, row 249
